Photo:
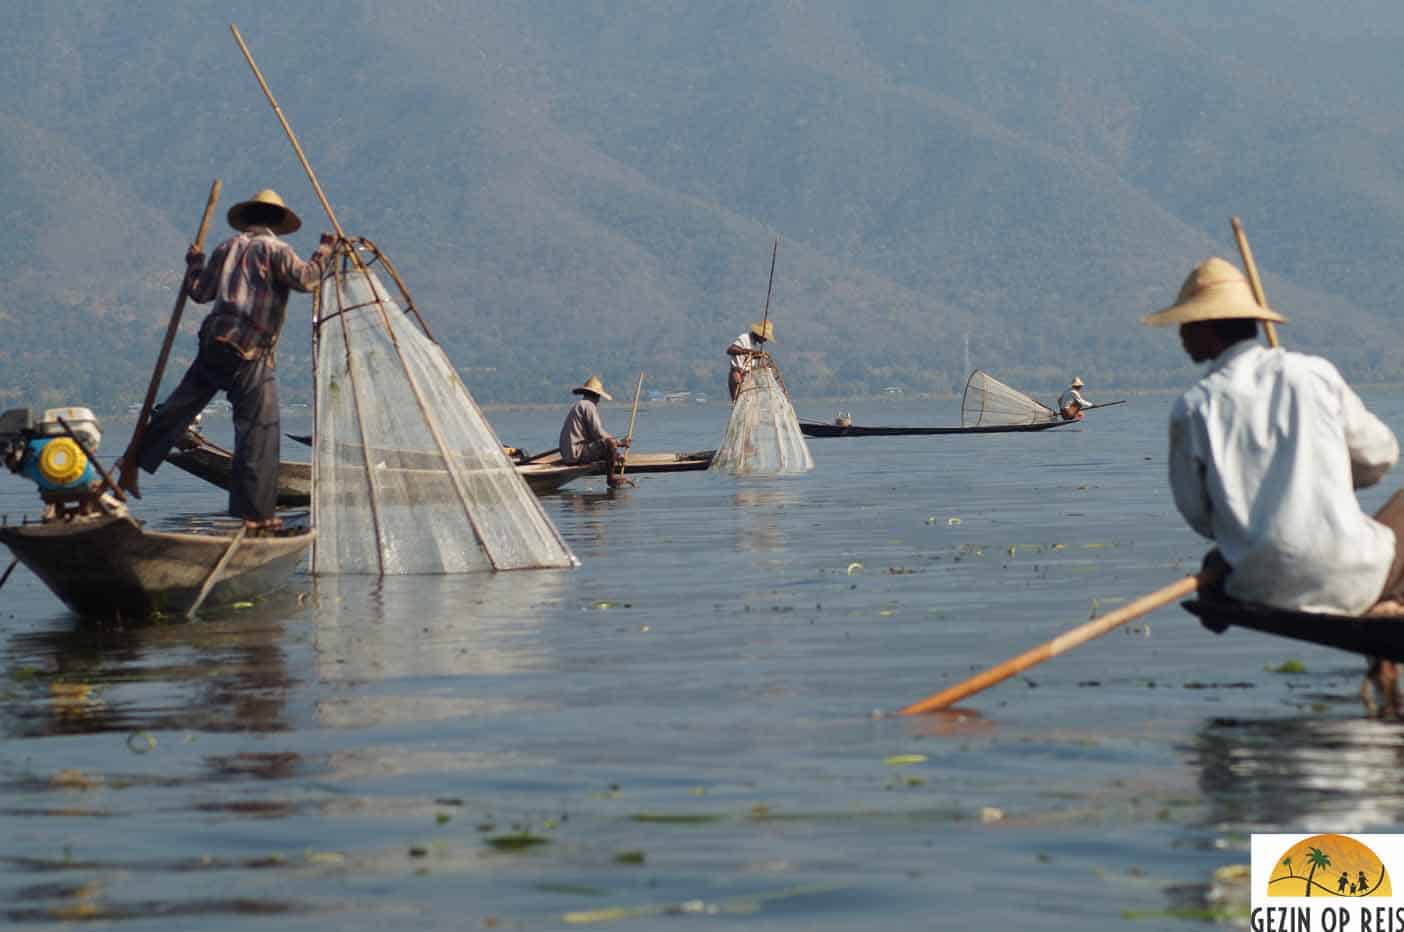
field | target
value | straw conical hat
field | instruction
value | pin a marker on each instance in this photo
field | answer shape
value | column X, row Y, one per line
column 1076, row 382
column 1215, row 290
column 765, row 331
column 239, row 214
column 594, row 385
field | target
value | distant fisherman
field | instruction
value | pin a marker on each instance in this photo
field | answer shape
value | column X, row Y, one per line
column 1071, row 402
column 249, row 277
column 583, row 437
column 1265, row 452
column 744, row 351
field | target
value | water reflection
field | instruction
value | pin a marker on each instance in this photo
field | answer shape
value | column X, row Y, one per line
column 584, row 518
column 226, row 673
column 371, row 633
column 1311, row 774
column 757, row 516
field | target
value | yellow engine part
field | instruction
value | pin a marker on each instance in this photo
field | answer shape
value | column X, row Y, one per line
column 61, row 461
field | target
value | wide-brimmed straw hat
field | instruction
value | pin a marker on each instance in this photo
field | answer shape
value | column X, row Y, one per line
column 1215, row 290
column 594, row 386
column 239, row 217
column 1076, row 382
column 765, row 331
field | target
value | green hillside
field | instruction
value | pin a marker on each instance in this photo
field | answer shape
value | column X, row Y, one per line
column 594, row 187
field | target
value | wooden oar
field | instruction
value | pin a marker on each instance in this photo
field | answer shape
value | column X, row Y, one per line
column 1254, row 282
column 128, row 478
column 1061, row 643
column 8, row 570
column 629, row 437
column 1105, row 404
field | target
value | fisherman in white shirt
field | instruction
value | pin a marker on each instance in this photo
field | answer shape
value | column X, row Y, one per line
column 1072, row 401
column 1266, row 451
column 744, row 350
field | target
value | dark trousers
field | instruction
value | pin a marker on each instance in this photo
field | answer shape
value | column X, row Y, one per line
column 252, row 388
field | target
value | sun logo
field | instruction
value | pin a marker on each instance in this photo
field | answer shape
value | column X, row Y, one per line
column 1328, row 865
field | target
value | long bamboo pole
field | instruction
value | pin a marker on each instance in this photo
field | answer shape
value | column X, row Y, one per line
column 1051, row 649
column 629, row 437
column 292, row 137
column 774, row 251
column 1097, row 627
column 1254, row 282
column 219, row 566
column 129, row 476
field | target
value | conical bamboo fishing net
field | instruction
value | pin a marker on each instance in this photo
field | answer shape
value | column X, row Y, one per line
column 763, row 436
column 988, row 402
column 408, row 477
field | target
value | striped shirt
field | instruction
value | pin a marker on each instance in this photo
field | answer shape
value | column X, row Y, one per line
column 248, row 277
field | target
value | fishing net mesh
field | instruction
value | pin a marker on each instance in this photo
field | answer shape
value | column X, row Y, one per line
column 408, row 476
column 988, row 402
column 763, row 436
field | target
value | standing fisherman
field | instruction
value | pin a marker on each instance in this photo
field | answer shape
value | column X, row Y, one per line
column 744, row 351
column 583, row 437
column 1266, row 451
column 249, row 277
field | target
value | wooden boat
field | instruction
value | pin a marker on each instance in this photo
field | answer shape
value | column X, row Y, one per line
column 109, row 566
column 1372, row 637
column 547, row 474
column 544, row 474
column 206, row 460
column 820, row 429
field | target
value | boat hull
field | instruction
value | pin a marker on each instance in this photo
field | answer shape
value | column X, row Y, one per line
column 111, row 567
column 216, row 466
column 854, row 430
column 544, row 475
column 1371, row 637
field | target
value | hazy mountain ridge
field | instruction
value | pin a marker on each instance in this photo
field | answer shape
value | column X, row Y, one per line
column 594, row 187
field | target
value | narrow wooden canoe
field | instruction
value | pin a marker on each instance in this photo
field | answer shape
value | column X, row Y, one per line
column 211, row 462
column 544, row 474
column 1372, row 637
column 547, row 474
column 813, row 429
column 111, row 567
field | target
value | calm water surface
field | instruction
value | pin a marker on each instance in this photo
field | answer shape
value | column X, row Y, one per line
column 690, row 728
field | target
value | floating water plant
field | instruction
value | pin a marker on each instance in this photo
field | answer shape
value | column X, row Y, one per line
column 517, row 841
column 675, row 818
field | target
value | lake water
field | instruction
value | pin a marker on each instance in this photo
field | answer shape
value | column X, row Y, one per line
column 695, row 726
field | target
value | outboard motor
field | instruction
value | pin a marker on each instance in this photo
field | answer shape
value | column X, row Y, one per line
column 45, row 453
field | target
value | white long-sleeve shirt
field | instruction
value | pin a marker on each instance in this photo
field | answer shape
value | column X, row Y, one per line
column 1070, row 396
column 1265, row 452
column 743, row 362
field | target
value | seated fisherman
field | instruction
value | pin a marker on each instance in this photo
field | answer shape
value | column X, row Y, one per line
column 583, row 437
column 1071, row 402
column 743, row 352
column 1266, row 451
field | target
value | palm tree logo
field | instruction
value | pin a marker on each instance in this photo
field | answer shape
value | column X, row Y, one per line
column 1318, row 858
column 1319, row 854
